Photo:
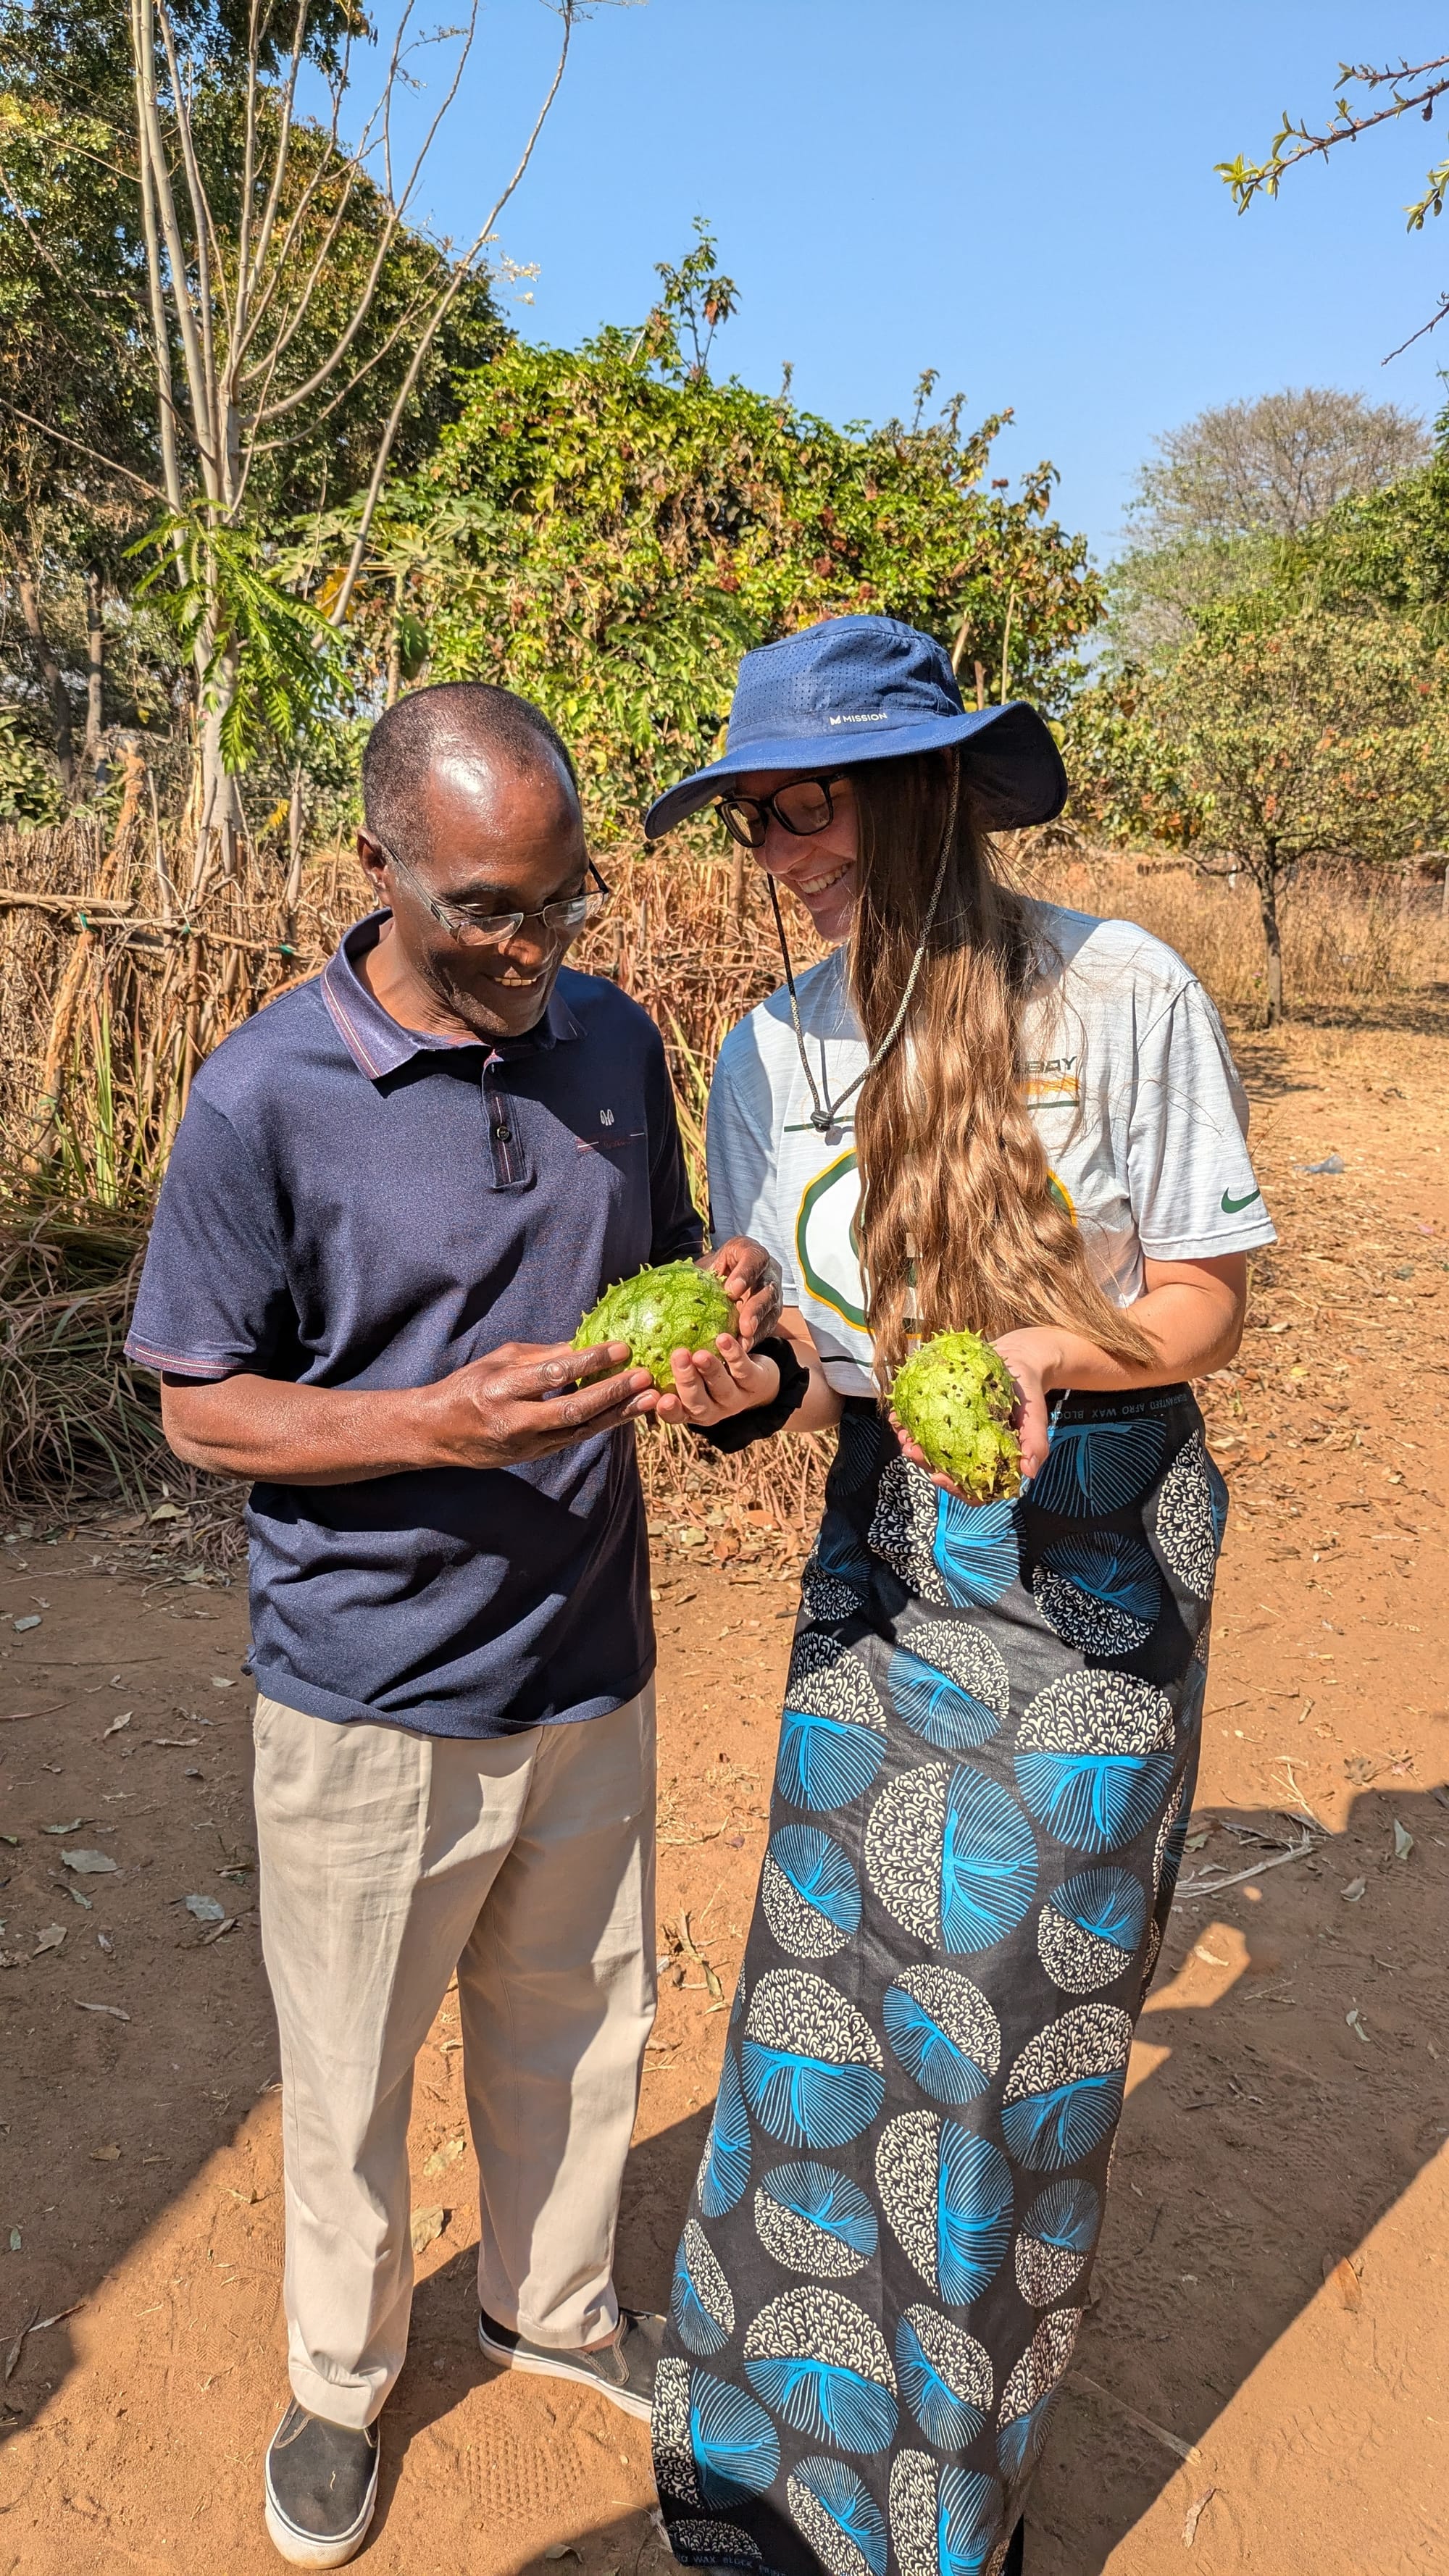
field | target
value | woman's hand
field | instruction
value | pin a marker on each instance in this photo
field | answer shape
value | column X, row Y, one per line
column 710, row 1385
column 1035, row 1359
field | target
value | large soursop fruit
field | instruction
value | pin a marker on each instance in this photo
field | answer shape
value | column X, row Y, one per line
column 954, row 1396
column 673, row 1308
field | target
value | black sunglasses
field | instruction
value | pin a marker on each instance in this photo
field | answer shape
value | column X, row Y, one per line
column 801, row 806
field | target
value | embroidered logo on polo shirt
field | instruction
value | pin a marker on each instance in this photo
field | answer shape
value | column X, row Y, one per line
column 606, row 1118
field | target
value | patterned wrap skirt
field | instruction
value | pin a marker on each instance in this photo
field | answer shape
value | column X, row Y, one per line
column 986, row 1764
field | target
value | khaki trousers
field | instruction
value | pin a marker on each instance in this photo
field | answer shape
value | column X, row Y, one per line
column 387, row 1860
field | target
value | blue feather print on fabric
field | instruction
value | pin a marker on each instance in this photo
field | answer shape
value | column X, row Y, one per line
column 736, row 2448
column 1066, row 2215
column 850, row 2505
column 826, row 2400
column 1217, row 1500
column 1021, row 2441
column 948, row 2419
column 824, row 1763
column 1064, row 2093
column 819, row 1872
column 1107, row 1903
column 988, row 1863
column 1112, row 1568
column 976, row 1550
column 1060, row 2126
column 822, row 2364
column 841, row 1551
column 968, row 2521
column 827, row 2200
column 1098, row 1467
column 927, row 2052
column 973, row 2213
column 698, row 2328
column 806, row 2103
column 936, row 1707
column 1095, row 1800
column 726, row 2166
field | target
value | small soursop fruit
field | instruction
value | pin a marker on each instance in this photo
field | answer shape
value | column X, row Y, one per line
column 954, row 1396
column 673, row 1308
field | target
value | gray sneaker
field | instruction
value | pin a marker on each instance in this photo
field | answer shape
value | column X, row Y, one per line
column 622, row 2371
column 321, row 2488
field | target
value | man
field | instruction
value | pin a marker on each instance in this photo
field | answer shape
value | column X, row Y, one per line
column 392, row 1196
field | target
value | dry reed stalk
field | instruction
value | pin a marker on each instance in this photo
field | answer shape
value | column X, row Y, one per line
column 689, row 933
column 68, row 992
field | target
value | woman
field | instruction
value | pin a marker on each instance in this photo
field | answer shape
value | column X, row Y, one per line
column 988, row 1112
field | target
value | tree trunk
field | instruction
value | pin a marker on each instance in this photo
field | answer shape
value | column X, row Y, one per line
column 54, row 679
column 394, row 650
column 95, row 672
column 1272, row 938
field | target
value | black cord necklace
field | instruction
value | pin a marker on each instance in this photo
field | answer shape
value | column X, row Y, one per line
column 825, row 1113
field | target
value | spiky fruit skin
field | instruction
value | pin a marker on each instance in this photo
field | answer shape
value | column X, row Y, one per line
column 673, row 1308
column 954, row 1396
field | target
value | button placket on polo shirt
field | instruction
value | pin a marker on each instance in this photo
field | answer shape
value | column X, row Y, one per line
column 509, row 1159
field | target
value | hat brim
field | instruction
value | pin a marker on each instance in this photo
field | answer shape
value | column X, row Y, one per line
column 1010, row 762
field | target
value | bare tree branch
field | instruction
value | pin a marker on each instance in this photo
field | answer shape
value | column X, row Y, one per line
column 462, row 270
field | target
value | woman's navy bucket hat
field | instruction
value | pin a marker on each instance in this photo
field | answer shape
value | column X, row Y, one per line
column 869, row 688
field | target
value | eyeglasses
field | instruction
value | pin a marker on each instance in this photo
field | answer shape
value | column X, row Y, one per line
column 802, row 806
column 567, row 917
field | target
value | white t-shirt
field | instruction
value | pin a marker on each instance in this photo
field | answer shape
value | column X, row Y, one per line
column 1130, row 1083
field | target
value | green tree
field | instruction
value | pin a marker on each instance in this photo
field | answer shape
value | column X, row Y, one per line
column 1275, row 739
column 618, row 528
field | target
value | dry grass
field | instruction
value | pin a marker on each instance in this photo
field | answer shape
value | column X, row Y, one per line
column 112, row 989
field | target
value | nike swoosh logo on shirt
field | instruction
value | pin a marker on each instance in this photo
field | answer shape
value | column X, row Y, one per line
column 1231, row 1207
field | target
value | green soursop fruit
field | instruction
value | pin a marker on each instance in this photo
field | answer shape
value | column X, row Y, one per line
column 954, row 1396
column 673, row 1308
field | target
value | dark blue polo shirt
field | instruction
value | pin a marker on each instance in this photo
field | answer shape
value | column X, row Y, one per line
column 349, row 1204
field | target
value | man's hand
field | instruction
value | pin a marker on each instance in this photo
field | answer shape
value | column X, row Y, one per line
column 511, row 1407
column 751, row 1280
column 525, row 1400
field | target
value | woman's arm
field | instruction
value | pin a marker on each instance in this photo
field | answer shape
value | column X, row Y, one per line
column 1191, row 1310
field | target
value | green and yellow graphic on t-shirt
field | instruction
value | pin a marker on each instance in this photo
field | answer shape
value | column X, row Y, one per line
column 827, row 1240
column 827, row 1237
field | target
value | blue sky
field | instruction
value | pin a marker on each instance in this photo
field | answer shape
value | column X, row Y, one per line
column 1022, row 198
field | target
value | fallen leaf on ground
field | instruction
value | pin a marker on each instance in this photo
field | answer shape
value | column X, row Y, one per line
column 177, row 1743
column 114, row 2010
column 105, row 2155
column 222, row 1681
column 1211, row 1956
column 426, row 2225
column 1354, row 1890
column 73, row 1827
column 560, row 2549
column 205, row 1909
column 20, row 1625
column 1345, row 2280
column 117, row 1723
column 445, row 2155
column 50, row 1939
column 1403, row 1841
column 88, row 1861
column 1194, row 2516
column 166, row 1512
column 1356, row 2026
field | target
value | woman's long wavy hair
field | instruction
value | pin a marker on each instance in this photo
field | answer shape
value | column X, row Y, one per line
column 960, row 1226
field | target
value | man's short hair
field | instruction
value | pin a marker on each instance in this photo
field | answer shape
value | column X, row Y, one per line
column 404, row 742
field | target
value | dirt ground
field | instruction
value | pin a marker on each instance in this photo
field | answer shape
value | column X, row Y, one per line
column 1264, row 2375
